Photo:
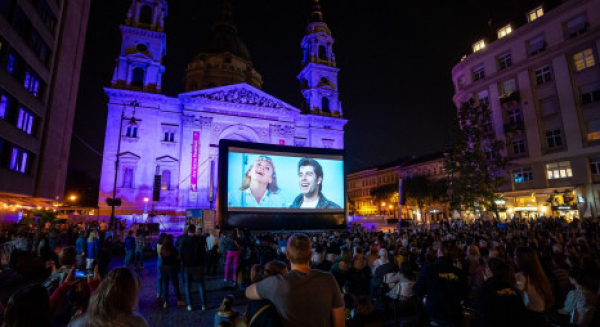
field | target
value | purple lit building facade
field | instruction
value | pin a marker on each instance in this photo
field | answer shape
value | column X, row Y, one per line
column 175, row 139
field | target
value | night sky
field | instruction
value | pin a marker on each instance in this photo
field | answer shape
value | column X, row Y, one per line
column 395, row 58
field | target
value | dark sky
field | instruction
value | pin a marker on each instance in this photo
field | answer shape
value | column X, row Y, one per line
column 395, row 58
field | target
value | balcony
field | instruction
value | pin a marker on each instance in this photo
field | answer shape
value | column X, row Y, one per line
column 514, row 127
column 510, row 97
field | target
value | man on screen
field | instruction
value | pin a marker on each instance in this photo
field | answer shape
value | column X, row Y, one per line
column 310, row 175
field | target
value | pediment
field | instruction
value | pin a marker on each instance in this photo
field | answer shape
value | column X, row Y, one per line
column 241, row 94
column 166, row 159
column 129, row 156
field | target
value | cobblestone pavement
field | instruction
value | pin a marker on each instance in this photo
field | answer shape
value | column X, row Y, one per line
column 156, row 316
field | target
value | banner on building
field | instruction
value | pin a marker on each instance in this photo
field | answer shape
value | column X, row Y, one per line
column 195, row 155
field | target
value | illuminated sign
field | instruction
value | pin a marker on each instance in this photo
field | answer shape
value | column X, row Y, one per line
column 564, row 207
column 195, row 154
column 525, row 209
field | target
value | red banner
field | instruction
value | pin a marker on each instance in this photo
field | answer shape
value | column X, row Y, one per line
column 195, row 155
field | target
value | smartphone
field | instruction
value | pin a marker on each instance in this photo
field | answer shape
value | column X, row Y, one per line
column 81, row 274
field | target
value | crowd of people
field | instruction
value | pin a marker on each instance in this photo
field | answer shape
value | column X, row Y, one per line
column 521, row 273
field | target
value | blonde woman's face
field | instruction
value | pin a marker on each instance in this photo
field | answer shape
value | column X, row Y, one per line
column 262, row 172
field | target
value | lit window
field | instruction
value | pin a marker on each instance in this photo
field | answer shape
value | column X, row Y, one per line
column 518, row 146
column 19, row 160
column 543, row 75
column 505, row 61
column 10, row 64
column 478, row 46
column 584, row 59
column 3, row 106
column 504, row 31
column 593, row 131
column 559, row 170
column 509, row 87
column 26, row 121
column 554, row 138
column 522, row 175
column 478, row 73
column 32, row 84
column 535, row 14
column 595, row 165
column 165, row 180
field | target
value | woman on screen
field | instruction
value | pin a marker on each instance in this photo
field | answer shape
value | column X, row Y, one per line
column 259, row 187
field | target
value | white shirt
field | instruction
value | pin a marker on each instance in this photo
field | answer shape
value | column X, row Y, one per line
column 245, row 199
column 310, row 205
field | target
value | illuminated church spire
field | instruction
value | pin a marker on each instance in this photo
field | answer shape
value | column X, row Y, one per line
column 318, row 78
column 143, row 47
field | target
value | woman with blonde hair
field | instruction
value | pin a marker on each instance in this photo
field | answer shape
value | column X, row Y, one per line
column 113, row 302
column 259, row 187
column 92, row 249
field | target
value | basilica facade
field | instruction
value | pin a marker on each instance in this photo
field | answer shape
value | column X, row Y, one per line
column 161, row 152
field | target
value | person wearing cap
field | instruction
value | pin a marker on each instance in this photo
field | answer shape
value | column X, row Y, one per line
column 259, row 187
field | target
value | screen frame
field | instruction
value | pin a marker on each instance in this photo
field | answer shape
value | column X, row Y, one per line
column 274, row 218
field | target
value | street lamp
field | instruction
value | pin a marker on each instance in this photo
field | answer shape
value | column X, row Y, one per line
column 73, row 197
column 132, row 123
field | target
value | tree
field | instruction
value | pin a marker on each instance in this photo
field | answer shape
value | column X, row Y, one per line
column 476, row 161
column 384, row 193
column 417, row 191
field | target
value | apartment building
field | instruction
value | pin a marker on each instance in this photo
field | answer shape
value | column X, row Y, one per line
column 540, row 76
column 41, row 50
column 361, row 184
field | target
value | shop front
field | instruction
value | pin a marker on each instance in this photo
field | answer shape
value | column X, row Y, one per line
column 564, row 204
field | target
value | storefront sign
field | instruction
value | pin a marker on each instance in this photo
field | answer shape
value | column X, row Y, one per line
column 195, row 154
column 500, row 202
column 525, row 209
column 564, row 208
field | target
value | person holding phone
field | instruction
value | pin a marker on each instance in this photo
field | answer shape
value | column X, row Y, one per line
column 259, row 187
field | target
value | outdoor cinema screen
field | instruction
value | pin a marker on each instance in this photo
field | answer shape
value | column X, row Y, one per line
column 279, row 187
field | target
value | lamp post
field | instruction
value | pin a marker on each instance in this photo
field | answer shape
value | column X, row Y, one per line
column 132, row 123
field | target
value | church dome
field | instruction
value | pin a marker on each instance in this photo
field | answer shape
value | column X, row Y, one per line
column 223, row 58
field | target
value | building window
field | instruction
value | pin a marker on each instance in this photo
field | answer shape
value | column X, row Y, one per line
column 483, row 98
column 4, row 104
column 595, row 165
column 505, row 61
column 584, row 59
column 489, row 153
column 322, row 52
column 536, row 45
column 479, row 45
column 554, row 138
column 132, row 131
column 127, row 177
column 165, row 180
column 509, row 87
column 590, row 93
column 10, row 63
column 576, row 26
column 535, row 14
column 32, row 84
column 26, row 121
column 514, row 116
column 504, row 31
column 543, row 75
column 478, row 73
column 146, row 15
column 593, row 132
column 19, row 160
column 522, row 175
column 559, row 170
column 137, row 78
column 169, row 137
column 518, row 146
column 325, row 104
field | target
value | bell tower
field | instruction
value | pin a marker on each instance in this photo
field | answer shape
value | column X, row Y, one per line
column 318, row 78
column 139, row 66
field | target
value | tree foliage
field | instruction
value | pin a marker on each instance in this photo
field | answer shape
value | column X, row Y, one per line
column 476, row 161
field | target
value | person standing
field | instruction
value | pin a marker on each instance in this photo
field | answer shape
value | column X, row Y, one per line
column 140, row 244
column 169, row 270
column 193, row 254
column 92, row 249
column 303, row 296
column 233, row 255
column 222, row 247
column 445, row 287
column 80, row 250
column 129, row 248
column 212, row 247
column 159, row 243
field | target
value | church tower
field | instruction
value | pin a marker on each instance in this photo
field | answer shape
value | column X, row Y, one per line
column 143, row 47
column 318, row 78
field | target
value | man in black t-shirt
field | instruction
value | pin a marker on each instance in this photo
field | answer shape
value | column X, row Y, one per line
column 193, row 253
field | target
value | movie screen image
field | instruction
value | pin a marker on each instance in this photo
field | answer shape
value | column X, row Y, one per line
column 259, row 180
